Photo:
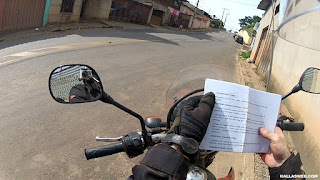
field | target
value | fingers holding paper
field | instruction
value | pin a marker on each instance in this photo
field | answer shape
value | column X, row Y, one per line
column 278, row 152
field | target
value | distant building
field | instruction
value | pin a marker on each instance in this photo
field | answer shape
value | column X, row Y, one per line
column 65, row 11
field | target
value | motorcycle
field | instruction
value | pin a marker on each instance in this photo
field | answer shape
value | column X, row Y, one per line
column 64, row 79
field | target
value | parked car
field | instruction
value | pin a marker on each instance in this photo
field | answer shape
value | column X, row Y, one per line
column 235, row 34
column 239, row 39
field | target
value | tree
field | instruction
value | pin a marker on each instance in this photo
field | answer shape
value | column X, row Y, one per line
column 248, row 20
column 256, row 19
column 216, row 23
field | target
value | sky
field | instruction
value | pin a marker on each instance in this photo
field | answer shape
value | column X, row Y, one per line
column 238, row 9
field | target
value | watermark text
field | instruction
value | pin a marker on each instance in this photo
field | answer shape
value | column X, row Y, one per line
column 294, row 176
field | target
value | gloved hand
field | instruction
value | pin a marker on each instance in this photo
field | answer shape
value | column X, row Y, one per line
column 193, row 116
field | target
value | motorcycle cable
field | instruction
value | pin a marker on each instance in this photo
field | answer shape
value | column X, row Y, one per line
column 146, row 137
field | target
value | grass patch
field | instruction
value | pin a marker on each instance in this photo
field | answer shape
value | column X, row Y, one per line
column 245, row 55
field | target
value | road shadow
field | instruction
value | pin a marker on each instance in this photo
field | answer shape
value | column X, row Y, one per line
column 99, row 32
column 27, row 36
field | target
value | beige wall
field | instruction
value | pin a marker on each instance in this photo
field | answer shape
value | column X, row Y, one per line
column 198, row 23
column 97, row 9
column 55, row 14
column 208, row 24
column 289, row 63
column 186, row 10
column 246, row 38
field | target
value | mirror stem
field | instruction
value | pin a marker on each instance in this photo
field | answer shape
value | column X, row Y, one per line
column 294, row 90
column 108, row 99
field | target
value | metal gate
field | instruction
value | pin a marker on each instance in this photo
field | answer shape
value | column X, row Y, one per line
column 129, row 11
column 264, row 62
column 17, row 14
column 184, row 20
column 156, row 17
column 261, row 45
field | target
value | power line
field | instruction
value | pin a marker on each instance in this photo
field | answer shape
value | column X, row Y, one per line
column 205, row 9
column 241, row 3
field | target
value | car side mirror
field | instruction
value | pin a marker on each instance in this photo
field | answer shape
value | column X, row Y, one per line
column 75, row 83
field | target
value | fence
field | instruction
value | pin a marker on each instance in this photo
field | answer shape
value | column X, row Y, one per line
column 129, row 11
column 265, row 57
column 62, row 82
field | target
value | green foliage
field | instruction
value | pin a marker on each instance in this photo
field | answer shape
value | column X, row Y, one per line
column 249, row 29
column 248, row 26
column 248, row 20
column 245, row 55
column 216, row 23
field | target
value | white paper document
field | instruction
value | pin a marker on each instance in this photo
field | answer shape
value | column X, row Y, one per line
column 238, row 114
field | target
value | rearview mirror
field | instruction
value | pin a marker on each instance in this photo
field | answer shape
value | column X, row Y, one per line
column 75, row 83
column 310, row 80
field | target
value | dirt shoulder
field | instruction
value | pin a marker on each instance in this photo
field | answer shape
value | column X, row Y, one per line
column 249, row 77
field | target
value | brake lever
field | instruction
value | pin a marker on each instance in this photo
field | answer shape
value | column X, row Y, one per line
column 109, row 139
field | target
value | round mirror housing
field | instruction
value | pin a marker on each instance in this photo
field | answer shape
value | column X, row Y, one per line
column 75, row 83
column 310, row 80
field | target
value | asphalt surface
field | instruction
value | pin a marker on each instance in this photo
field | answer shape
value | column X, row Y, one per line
column 42, row 139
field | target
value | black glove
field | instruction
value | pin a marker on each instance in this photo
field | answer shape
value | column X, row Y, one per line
column 79, row 93
column 193, row 116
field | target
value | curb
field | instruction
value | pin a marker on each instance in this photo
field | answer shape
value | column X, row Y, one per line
column 92, row 25
column 241, row 76
column 77, row 28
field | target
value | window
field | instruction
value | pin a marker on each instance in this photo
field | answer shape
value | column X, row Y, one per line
column 67, row 5
column 277, row 10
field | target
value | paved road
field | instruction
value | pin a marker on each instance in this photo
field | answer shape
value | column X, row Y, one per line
column 42, row 139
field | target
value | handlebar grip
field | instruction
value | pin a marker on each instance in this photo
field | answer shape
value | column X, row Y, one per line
column 292, row 126
column 103, row 151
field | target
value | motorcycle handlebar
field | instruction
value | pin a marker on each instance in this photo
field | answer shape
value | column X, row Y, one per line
column 291, row 126
column 103, row 151
column 119, row 147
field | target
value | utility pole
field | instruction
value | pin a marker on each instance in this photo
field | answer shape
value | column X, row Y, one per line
column 195, row 13
column 222, row 17
column 226, row 18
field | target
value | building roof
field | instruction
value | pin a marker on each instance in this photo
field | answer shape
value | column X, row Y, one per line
column 192, row 7
column 264, row 4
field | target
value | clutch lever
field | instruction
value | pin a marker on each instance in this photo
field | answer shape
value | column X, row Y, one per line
column 109, row 139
